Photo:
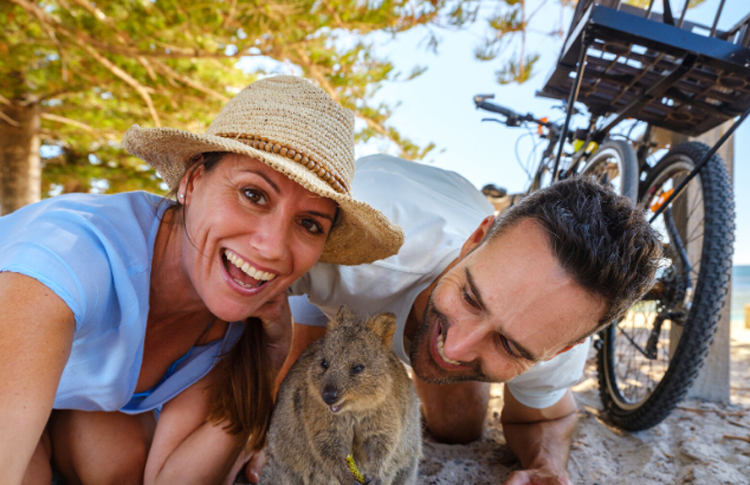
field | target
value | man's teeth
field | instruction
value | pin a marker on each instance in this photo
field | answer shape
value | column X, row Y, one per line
column 247, row 269
column 440, row 344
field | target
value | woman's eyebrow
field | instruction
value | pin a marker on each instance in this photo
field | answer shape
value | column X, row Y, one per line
column 321, row 214
column 264, row 177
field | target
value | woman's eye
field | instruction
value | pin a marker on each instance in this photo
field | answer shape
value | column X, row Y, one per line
column 312, row 226
column 255, row 196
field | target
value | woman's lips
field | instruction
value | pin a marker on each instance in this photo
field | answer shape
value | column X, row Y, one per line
column 242, row 276
column 248, row 275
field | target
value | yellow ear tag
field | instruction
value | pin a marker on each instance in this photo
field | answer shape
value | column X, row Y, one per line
column 353, row 468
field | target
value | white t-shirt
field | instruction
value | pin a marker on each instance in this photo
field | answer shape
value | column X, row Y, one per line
column 437, row 210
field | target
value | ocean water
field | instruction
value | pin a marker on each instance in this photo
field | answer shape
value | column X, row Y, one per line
column 740, row 291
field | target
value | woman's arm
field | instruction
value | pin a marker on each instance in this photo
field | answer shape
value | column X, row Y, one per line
column 186, row 448
column 36, row 335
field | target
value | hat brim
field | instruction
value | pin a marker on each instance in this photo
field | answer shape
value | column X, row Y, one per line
column 364, row 235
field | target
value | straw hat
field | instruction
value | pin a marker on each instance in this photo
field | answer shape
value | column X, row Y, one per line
column 299, row 130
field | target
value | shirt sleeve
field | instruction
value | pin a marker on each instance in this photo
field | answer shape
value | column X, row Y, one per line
column 65, row 256
column 305, row 313
column 545, row 383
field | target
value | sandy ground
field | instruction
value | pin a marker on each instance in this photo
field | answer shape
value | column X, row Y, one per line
column 689, row 447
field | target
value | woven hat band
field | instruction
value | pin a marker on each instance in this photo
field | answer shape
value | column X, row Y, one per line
column 333, row 179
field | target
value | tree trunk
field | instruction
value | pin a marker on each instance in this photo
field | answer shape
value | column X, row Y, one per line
column 20, row 164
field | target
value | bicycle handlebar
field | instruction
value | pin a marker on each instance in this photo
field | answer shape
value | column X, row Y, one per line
column 479, row 101
column 513, row 118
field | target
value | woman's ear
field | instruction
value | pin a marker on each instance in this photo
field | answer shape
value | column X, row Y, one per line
column 187, row 184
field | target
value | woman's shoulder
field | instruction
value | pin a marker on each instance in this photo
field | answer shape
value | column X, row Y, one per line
column 85, row 247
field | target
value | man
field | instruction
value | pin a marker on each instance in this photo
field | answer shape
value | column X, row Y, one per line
column 481, row 300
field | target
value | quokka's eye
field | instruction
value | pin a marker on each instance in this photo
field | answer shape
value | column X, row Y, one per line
column 356, row 369
column 324, row 364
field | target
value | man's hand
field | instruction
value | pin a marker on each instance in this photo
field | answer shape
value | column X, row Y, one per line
column 277, row 325
column 538, row 476
column 540, row 438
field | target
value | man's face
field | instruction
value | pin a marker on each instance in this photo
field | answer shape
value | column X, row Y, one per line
column 501, row 309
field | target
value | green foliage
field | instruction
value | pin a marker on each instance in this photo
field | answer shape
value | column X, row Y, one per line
column 507, row 26
column 516, row 72
column 96, row 68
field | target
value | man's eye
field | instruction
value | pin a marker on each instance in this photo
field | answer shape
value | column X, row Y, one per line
column 468, row 299
column 312, row 226
column 255, row 196
column 503, row 342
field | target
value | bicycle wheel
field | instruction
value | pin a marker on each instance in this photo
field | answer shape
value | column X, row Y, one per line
column 615, row 164
column 648, row 360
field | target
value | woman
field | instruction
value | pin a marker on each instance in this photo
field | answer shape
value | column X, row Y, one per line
column 116, row 306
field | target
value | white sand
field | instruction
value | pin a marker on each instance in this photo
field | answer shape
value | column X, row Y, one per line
column 688, row 447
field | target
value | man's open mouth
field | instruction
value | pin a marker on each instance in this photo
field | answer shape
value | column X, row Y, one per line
column 243, row 273
column 441, row 344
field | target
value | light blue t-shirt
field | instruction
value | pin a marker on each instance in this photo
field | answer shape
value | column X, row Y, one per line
column 95, row 253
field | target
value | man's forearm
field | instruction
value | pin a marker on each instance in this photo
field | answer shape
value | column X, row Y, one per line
column 542, row 444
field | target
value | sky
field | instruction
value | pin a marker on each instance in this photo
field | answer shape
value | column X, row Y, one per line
column 437, row 106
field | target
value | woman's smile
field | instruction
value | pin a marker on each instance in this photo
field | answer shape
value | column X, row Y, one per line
column 243, row 273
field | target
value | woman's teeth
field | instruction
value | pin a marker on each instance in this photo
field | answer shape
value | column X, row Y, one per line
column 247, row 269
column 440, row 344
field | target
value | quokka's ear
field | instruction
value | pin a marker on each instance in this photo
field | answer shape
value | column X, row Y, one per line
column 343, row 316
column 383, row 325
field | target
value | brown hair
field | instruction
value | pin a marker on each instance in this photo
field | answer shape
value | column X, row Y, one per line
column 601, row 240
column 242, row 393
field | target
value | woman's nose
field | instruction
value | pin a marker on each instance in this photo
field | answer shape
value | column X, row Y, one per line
column 271, row 237
column 464, row 341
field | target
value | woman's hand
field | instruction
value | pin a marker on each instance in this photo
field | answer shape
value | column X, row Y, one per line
column 277, row 325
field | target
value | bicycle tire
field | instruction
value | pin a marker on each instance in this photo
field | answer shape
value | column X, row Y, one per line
column 613, row 160
column 683, row 308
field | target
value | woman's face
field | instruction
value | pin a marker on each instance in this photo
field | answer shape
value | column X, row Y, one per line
column 250, row 232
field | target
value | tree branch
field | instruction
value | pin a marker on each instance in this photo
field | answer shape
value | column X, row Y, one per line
column 193, row 84
column 9, row 120
column 128, row 80
column 67, row 121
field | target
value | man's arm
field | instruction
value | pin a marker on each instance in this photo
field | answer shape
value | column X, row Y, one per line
column 540, row 439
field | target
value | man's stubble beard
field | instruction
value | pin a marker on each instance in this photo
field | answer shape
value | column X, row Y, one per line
column 421, row 358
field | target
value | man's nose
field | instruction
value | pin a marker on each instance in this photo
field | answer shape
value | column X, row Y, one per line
column 465, row 340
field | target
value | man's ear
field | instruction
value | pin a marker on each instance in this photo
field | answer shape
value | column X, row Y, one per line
column 565, row 349
column 477, row 236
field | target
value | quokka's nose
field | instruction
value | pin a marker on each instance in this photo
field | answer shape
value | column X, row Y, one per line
column 330, row 394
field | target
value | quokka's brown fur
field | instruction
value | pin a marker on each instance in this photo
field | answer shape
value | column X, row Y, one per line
column 347, row 394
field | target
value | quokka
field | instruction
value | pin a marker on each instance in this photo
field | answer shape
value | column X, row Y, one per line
column 347, row 394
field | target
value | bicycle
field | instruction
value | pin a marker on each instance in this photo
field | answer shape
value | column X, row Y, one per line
column 632, row 63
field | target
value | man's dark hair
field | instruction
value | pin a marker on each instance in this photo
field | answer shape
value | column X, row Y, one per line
column 599, row 238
